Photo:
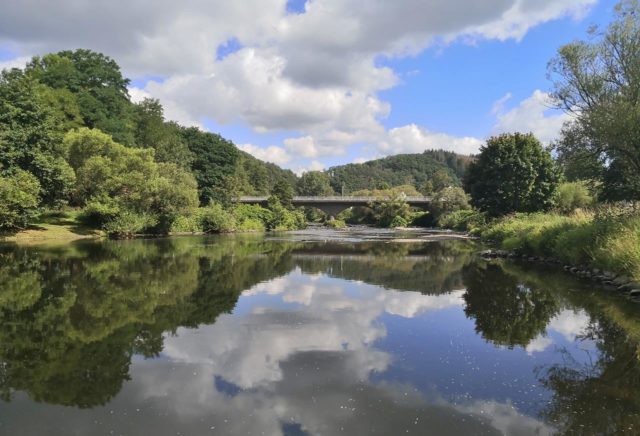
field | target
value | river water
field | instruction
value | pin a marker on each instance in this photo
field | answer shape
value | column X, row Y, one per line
column 315, row 332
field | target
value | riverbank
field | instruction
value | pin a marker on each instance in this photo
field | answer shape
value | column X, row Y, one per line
column 605, row 240
column 54, row 227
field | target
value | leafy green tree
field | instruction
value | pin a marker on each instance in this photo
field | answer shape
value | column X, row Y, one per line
column 446, row 201
column 513, row 173
column 19, row 199
column 115, row 180
column 572, row 195
column 427, row 188
column 214, row 163
column 283, row 192
column 98, row 85
column 64, row 107
column 597, row 81
column 153, row 132
column 314, row 183
column 392, row 212
column 441, row 179
column 30, row 138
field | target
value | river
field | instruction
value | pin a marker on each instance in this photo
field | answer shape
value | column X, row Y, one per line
column 316, row 332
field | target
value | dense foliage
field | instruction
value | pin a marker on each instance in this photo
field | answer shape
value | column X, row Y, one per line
column 513, row 173
column 597, row 81
column 608, row 238
column 69, row 134
column 403, row 169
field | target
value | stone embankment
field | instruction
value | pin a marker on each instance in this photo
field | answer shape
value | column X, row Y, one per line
column 606, row 279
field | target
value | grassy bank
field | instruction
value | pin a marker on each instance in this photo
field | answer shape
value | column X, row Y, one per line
column 608, row 238
column 60, row 226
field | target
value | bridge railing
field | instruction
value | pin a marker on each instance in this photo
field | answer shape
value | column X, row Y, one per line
column 333, row 198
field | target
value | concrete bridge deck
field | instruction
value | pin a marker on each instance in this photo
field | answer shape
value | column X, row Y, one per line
column 333, row 205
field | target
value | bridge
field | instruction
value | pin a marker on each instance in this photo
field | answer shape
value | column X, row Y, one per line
column 333, row 205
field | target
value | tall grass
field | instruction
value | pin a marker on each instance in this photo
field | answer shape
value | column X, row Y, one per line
column 606, row 238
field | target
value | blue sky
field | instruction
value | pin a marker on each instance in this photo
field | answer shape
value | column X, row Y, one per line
column 312, row 84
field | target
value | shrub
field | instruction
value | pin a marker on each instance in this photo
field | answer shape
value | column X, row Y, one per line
column 252, row 212
column 186, row 224
column 129, row 223
column 215, row 219
column 283, row 218
column 607, row 239
column 467, row 220
column 447, row 200
column 335, row 224
column 571, row 196
column 398, row 221
column 98, row 212
column 251, row 225
column 19, row 199
column 385, row 212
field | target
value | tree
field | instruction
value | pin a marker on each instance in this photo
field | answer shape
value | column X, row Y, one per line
column 98, row 85
column 214, row 163
column 314, row 183
column 164, row 137
column 392, row 212
column 283, row 192
column 446, row 201
column 571, row 196
column 19, row 199
column 597, row 82
column 30, row 138
column 513, row 173
column 117, row 181
column 441, row 179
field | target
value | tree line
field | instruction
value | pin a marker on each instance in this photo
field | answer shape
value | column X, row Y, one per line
column 70, row 135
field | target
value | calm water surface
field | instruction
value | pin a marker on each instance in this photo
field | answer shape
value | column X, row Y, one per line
column 308, row 333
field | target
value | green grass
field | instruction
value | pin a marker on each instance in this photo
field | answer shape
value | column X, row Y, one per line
column 54, row 226
column 605, row 239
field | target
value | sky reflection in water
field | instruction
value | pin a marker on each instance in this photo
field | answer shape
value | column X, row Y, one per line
column 246, row 335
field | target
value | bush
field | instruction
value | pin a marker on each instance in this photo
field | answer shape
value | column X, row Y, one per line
column 399, row 221
column 251, row 225
column 446, row 201
column 463, row 220
column 252, row 212
column 335, row 224
column 186, row 224
column 19, row 199
column 608, row 238
column 571, row 196
column 283, row 218
column 388, row 212
column 215, row 219
column 98, row 212
column 129, row 223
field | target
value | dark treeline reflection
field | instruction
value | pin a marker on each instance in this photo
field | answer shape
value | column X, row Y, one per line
column 600, row 394
column 71, row 318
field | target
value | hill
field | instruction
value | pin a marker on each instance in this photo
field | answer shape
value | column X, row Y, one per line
column 434, row 166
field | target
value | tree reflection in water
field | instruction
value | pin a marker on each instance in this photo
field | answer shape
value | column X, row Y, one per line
column 72, row 318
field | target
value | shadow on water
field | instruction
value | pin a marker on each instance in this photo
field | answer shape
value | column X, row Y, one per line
column 73, row 318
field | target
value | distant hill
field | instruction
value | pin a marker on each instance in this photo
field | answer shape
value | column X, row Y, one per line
column 402, row 169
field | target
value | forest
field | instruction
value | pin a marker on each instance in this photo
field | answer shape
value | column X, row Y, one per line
column 71, row 139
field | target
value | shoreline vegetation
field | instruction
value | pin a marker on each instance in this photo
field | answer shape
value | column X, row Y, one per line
column 80, row 159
